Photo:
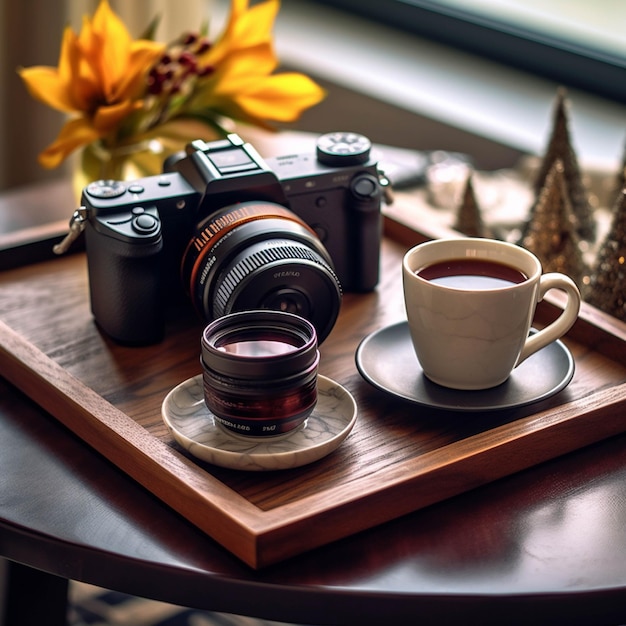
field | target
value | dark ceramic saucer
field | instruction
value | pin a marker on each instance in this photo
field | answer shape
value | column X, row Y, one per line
column 386, row 360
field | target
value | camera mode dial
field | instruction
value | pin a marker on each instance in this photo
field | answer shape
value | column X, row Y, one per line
column 105, row 189
column 343, row 148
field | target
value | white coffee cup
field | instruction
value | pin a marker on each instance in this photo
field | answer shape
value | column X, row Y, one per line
column 471, row 336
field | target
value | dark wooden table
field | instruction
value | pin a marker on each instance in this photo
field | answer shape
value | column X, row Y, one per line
column 546, row 545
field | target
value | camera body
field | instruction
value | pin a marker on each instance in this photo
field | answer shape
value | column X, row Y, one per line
column 140, row 233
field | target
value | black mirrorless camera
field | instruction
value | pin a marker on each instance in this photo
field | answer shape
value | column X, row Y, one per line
column 235, row 233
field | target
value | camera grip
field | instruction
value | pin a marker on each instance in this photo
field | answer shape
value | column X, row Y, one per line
column 124, row 281
column 366, row 234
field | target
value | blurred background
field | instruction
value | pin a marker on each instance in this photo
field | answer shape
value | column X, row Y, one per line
column 477, row 76
column 30, row 34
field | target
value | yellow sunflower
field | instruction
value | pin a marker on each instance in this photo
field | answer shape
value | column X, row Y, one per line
column 116, row 90
column 100, row 80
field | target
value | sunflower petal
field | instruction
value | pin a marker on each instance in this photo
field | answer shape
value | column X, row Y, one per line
column 238, row 71
column 108, row 118
column 141, row 58
column 111, row 39
column 246, row 28
column 281, row 98
column 256, row 24
column 259, row 61
column 45, row 84
column 75, row 133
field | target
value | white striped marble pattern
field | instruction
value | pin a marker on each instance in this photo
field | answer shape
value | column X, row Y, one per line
column 193, row 426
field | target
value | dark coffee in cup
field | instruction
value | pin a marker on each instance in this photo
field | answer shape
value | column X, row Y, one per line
column 472, row 274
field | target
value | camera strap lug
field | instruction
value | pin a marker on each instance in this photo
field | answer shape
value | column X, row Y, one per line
column 77, row 225
column 386, row 187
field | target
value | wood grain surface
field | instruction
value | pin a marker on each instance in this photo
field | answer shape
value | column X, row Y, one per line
column 399, row 457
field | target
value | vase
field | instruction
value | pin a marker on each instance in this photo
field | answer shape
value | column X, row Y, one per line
column 133, row 160
column 127, row 162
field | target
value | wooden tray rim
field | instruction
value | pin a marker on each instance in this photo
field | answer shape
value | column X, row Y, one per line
column 261, row 537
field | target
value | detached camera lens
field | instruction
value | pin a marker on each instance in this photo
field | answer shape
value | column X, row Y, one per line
column 260, row 371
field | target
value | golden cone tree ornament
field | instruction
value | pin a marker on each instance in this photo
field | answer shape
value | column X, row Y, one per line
column 620, row 179
column 551, row 232
column 469, row 219
column 560, row 147
column 607, row 290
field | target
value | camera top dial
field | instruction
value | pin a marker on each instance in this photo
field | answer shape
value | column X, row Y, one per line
column 106, row 189
column 343, row 148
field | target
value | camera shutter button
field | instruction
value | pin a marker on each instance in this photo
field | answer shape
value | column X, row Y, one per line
column 365, row 186
column 144, row 223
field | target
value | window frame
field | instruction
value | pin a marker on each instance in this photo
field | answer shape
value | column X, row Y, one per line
column 560, row 60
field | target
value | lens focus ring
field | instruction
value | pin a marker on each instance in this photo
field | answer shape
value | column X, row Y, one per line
column 253, row 261
column 257, row 255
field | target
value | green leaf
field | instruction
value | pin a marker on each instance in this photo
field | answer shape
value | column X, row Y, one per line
column 151, row 29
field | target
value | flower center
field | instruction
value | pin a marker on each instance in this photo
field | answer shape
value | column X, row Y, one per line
column 179, row 66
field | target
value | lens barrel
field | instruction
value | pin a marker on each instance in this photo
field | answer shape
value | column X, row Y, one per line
column 260, row 371
column 259, row 255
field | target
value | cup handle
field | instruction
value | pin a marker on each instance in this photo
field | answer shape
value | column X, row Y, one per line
column 563, row 323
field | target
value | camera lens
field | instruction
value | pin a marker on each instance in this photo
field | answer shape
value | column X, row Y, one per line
column 287, row 300
column 260, row 255
column 260, row 371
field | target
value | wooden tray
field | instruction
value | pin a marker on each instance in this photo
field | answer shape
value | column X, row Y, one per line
column 398, row 458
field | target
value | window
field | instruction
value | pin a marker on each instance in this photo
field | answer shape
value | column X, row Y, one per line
column 575, row 42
